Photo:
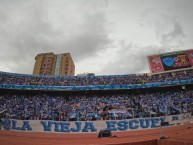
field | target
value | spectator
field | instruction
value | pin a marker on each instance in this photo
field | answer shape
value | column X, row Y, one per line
column 96, row 107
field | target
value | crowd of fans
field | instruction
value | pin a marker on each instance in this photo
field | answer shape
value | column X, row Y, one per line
column 19, row 79
column 96, row 106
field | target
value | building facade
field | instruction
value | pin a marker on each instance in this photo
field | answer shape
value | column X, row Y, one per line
column 54, row 64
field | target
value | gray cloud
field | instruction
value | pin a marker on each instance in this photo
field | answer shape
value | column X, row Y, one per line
column 93, row 38
column 168, row 27
column 28, row 29
column 130, row 58
column 112, row 34
column 175, row 36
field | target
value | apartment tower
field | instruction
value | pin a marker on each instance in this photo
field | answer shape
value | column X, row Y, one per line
column 54, row 64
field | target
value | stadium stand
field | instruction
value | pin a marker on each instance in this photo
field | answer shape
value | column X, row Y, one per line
column 19, row 103
column 22, row 79
column 114, row 106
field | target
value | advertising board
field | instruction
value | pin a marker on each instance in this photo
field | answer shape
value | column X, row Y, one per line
column 171, row 61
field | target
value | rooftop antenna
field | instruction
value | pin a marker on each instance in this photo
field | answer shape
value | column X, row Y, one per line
column 163, row 50
column 173, row 46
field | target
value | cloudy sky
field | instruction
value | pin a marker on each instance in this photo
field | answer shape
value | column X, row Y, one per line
column 103, row 36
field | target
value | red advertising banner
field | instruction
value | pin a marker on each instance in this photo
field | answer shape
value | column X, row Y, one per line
column 190, row 56
column 155, row 64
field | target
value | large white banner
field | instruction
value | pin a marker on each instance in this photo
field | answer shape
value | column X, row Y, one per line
column 91, row 126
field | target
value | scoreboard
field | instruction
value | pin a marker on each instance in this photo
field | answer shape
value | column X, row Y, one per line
column 171, row 61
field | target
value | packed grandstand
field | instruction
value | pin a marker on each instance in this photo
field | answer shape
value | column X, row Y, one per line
column 21, row 79
column 110, row 104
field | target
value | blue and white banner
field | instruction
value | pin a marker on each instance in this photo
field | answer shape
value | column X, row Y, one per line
column 92, row 126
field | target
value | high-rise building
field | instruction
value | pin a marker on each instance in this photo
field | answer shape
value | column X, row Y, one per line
column 54, row 64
